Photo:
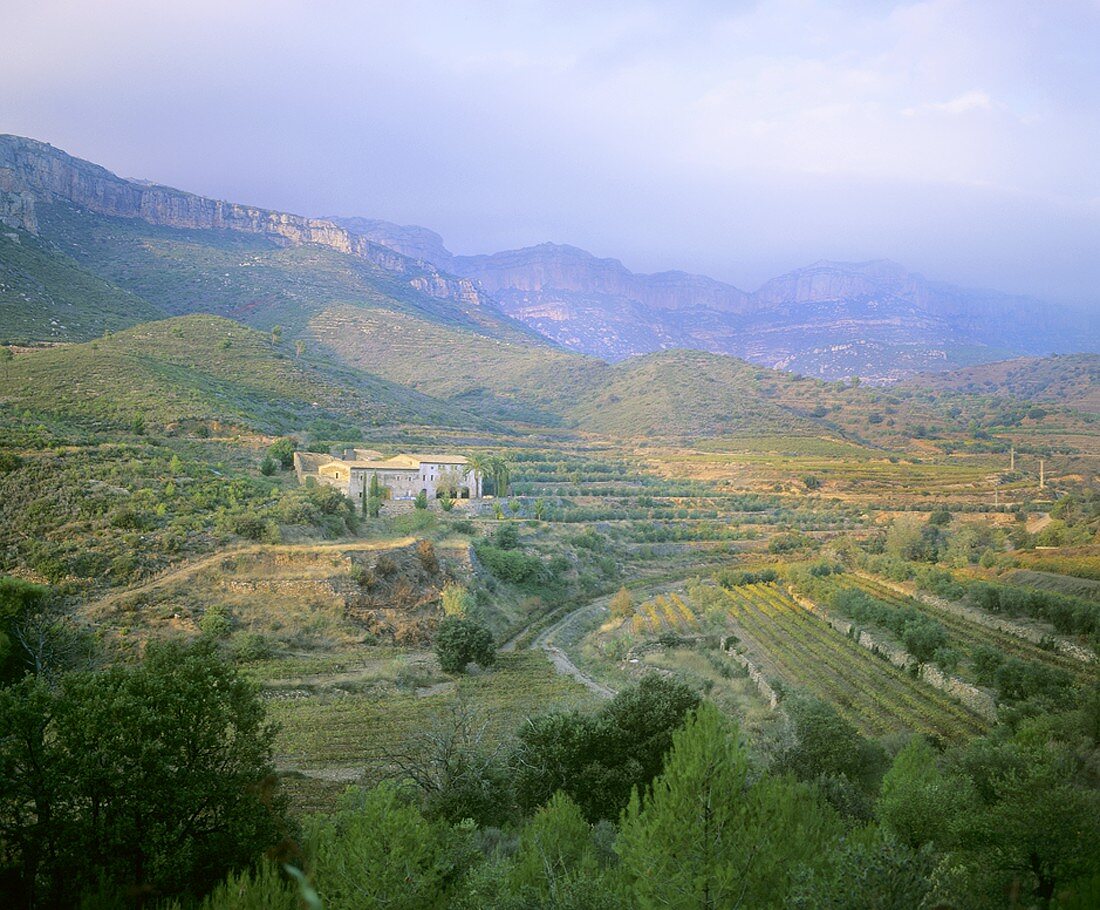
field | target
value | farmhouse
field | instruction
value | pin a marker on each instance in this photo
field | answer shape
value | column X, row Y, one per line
column 400, row 476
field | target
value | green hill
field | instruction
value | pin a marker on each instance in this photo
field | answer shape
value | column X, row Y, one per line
column 497, row 378
column 686, row 393
column 682, row 394
column 47, row 296
column 1070, row 380
column 210, row 370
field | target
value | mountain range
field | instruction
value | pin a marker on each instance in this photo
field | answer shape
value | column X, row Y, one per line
column 87, row 251
column 872, row 319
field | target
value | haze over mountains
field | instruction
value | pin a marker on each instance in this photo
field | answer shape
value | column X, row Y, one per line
column 831, row 319
column 138, row 250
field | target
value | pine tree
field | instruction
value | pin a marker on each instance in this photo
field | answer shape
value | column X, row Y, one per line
column 703, row 838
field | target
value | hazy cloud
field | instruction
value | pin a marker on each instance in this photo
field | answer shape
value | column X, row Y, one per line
column 738, row 139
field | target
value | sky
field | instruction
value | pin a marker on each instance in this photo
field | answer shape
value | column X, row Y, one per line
column 736, row 139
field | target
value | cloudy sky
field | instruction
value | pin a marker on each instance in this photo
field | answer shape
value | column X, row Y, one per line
column 737, row 139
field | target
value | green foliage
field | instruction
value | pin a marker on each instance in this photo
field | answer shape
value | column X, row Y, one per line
column 282, row 450
column 459, row 642
column 216, row 622
column 598, row 759
column 456, row 600
column 704, row 836
column 264, row 888
column 421, row 501
column 921, row 636
column 1066, row 614
column 155, row 776
column 268, row 466
column 915, row 794
column 19, row 600
column 825, row 745
column 736, row 578
column 380, row 852
column 555, row 847
column 871, row 870
column 509, row 565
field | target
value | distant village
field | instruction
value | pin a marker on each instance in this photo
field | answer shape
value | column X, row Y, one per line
column 399, row 477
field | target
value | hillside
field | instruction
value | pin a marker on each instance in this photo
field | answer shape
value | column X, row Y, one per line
column 1070, row 380
column 205, row 370
column 685, row 393
column 667, row 394
column 184, row 253
column 498, row 379
column 46, row 296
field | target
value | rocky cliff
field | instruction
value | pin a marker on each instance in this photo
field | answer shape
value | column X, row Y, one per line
column 32, row 170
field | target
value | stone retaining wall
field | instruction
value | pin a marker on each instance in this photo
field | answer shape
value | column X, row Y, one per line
column 977, row 700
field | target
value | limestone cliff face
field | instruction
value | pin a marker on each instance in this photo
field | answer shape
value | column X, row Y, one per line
column 30, row 169
column 407, row 239
column 566, row 268
column 16, row 204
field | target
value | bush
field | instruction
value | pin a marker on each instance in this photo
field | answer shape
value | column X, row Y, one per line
column 460, row 642
column 249, row 646
column 282, row 451
column 425, row 552
column 268, row 466
column 216, row 621
column 509, row 565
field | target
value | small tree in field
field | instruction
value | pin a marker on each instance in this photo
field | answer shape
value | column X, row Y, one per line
column 622, row 604
column 421, row 501
column 462, row 641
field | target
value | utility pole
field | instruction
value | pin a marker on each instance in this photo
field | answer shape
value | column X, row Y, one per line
column 1042, row 474
column 1012, row 463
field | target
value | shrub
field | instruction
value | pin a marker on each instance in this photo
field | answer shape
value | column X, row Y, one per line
column 460, row 642
column 268, row 466
column 622, row 604
column 282, row 451
column 249, row 646
column 216, row 621
column 425, row 552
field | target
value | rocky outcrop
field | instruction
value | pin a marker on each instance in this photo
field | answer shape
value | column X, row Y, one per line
column 30, row 169
column 16, row 204
column 558, row 267
column 407, row 239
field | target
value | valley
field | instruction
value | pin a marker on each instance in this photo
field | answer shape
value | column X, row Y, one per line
column 704, row 535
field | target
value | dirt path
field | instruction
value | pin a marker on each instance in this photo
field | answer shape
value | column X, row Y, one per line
column 545, row 640
column 561, row 661
column 187, row 570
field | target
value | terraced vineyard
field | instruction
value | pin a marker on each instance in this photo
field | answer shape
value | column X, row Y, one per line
column 969, row 634
column 664, row 613
column 804, row 651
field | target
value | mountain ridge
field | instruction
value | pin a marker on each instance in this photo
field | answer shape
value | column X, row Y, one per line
column 832, row 318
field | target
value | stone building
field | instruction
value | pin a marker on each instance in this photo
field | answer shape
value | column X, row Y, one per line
column 400, row 476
